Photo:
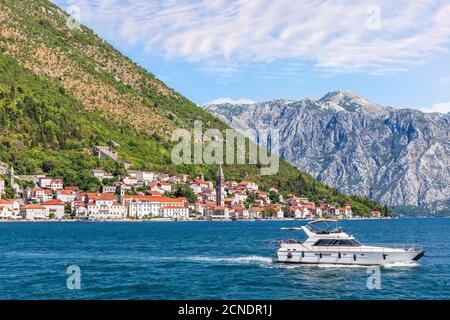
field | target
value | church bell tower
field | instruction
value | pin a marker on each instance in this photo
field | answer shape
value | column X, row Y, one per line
column 220, row 187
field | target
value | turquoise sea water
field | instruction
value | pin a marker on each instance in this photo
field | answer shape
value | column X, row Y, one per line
column 209, row 260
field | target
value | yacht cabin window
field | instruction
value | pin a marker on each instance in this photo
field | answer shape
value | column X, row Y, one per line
column 336, row 242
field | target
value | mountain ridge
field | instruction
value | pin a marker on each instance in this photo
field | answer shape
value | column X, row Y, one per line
column 63, row 91
column 394, row 156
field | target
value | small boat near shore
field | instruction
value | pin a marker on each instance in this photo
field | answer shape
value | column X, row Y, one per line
column 325, row 245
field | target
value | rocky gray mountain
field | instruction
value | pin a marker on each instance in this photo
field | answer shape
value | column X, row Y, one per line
column 399, row 157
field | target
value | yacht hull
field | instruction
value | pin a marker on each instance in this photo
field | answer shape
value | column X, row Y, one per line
column 347, row 258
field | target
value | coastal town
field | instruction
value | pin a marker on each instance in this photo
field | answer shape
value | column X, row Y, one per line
column 143, row 195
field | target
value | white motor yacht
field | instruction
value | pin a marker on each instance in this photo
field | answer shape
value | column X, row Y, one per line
column 335, row 246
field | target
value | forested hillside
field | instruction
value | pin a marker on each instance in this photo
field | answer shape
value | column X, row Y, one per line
column 63, row 90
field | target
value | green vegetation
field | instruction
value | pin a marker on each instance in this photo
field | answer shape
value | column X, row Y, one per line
column 45, row 128
column 268, row 213
column 274, row 197
column 184, row 191
column 286, row 212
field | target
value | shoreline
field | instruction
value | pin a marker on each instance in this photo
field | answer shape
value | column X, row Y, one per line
column 189, row 220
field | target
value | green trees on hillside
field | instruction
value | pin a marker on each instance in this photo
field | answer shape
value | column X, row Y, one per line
column 45, row 129
column 182, row 190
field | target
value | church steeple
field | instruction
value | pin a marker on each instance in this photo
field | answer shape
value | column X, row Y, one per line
column 220, row 187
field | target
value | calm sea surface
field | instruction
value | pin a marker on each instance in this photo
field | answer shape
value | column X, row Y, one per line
column 209, row 260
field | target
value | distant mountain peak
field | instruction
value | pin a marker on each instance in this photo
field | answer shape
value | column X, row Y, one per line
column 339, row 95
column 394, row 156
column 338, row 101
column 349, row 100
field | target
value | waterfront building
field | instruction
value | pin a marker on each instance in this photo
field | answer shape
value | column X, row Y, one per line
column 174, row 212
column 38, row 195
column 9, row 208
column 100, row 206
column 55, row 208
column 376, row 214
column 139, row 206
column 344, row 212
column 218, row 212
column 256, row 212
column 33, row 212
column 240, row 212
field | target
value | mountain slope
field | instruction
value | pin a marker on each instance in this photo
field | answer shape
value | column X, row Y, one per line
column 397, row 157
column 63, row 90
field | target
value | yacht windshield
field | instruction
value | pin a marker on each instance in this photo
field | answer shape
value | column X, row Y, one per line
column 335, row 242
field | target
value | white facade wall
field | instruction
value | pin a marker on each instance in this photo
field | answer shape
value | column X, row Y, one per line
column 166, row 187
column 13, row 207
column 56, row 210
column 147, row 208
column 45, row 182
column 105, row 209
column 66, row 198
column 145, row 176
column 56, row 185
column 174, row 213
column 34, row 214
column 40, row 196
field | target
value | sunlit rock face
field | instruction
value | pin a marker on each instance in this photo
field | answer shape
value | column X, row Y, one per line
column 400, row 157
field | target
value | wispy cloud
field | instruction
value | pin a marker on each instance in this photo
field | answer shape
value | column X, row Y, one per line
column 444, row 81
column 438, row 107
column 231, row 101
column 373, row 36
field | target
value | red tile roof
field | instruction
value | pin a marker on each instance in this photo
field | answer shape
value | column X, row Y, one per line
column 7, row 201
column 33, row 206
column 65, row 192
column 153, row 198
column 153, row 192
column 46, row 191
column 53, row 202
column 106, row 196
column 72, row 188
column 98, row 196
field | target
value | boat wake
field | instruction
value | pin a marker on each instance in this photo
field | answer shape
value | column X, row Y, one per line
column 267, row 262
column 231, row 260
column 401, row 265
column 346, row 266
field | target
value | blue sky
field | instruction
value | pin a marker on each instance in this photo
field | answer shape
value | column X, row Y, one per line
column 394, row 53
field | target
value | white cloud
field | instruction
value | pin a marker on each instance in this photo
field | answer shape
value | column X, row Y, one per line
column 438, row 107
column 231, row 101
column 336, row 36
column 444, row 81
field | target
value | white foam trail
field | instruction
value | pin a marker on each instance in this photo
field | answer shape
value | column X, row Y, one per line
column 346, row 266
column 231, row 260
column 409, row 264
column 270, row 263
